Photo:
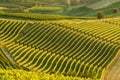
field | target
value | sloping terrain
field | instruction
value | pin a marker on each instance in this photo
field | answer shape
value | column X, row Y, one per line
column 85, row 8
column 102, row 4
column 84, row 49
column 6, row 63
column 88, row 1
column 113, row 72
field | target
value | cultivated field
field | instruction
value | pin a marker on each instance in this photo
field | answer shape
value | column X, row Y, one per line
column 79, row 49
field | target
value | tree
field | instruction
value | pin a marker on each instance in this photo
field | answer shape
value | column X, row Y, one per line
column 116, row 10
column 100, row 15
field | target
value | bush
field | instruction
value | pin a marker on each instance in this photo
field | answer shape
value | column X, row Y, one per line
column 116, row 10
column 100, row 15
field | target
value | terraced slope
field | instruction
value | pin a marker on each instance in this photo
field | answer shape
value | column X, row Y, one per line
column 113, row 21
column 107, row 30
column 5, row 63
column 40, row 60
column 84, row 50
column 9, row 30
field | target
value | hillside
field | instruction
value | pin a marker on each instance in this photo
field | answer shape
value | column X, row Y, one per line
column 84, row 49
column 84, row 8
column 59, row 40
column 102, row 4
column 107, row 10
column 88, row 1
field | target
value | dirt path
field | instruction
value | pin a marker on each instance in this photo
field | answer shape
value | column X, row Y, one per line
column 4, row 50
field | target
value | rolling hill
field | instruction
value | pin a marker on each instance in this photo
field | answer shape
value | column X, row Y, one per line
column 84, row 49
column 85, row 8
column 53, row 40
column 102, row 4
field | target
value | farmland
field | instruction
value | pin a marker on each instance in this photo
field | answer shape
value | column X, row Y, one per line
column 59, row 40
column 70, row 48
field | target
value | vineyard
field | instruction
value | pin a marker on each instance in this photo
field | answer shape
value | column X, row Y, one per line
column 30, row 16
column 44, row 10
column 85, row 49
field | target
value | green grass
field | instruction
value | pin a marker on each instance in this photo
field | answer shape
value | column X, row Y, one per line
column 82, row 10
column 108, row 10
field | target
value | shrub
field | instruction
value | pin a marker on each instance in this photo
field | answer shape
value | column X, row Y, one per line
column 100, row 15
column 116, row 10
